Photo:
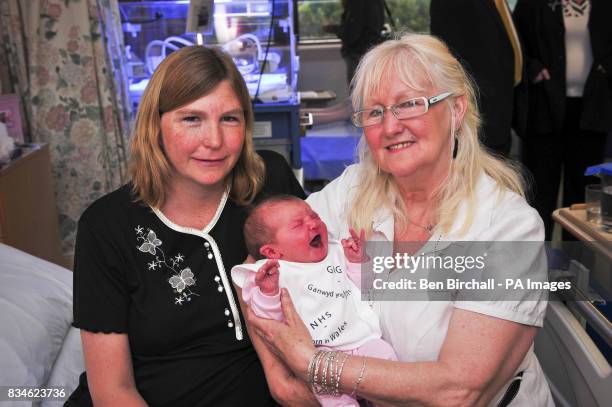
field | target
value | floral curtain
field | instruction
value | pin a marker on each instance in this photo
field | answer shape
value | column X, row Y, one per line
column 66, row 60
column 13, row 38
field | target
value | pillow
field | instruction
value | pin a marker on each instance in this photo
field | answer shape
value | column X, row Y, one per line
column 36, row 303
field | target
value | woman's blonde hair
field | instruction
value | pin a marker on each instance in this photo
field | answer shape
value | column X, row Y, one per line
column 420, row 61
column 183, row 77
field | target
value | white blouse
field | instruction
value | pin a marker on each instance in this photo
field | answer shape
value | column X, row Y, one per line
column 417, row 329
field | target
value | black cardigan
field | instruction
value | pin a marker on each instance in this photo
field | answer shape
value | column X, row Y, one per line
column 540, row 25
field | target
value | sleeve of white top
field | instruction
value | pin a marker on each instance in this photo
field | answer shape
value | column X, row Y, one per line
column 517, row 232
column 265, row 306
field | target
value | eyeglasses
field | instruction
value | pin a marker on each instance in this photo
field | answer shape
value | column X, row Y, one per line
column 402, row 110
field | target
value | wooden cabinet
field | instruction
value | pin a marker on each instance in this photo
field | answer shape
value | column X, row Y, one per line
column 28, row 210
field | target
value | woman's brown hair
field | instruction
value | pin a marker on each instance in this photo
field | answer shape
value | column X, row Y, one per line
column 183, row 77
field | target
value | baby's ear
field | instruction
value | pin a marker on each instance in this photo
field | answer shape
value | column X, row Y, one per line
column 269, row 252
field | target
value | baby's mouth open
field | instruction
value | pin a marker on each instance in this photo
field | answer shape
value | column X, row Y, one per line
column 316, row 241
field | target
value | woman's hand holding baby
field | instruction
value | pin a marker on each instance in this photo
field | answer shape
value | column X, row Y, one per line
column 267, row 278
column 354, row 249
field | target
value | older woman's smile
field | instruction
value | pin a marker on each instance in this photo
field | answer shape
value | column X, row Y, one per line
column 400, row 146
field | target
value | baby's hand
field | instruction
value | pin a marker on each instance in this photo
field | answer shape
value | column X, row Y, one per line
column 267, row 278
column 354, row 247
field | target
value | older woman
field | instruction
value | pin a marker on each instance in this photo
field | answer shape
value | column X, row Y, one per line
column 159, row 320
column 424, row 177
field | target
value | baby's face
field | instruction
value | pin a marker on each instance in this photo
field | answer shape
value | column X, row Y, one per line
column 301, row 236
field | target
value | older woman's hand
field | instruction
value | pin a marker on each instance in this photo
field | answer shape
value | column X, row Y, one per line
column 290, row 339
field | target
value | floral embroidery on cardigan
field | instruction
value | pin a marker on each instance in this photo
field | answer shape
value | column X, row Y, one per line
column 181, row 279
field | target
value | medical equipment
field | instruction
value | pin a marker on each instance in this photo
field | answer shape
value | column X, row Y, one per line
column 258, row 35
column 153, row 58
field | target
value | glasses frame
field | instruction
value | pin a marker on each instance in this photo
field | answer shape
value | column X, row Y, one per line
column 429, row 101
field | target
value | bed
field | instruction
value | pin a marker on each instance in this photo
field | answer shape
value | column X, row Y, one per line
column 38, row 345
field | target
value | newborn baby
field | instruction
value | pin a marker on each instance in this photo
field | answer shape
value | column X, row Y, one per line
column 290, row 242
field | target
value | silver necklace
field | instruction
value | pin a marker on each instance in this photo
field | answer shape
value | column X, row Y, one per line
column 428, row 228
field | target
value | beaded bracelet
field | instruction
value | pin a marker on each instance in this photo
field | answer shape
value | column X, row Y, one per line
column 323, row 388
column 311, row 366
column 360, row 378
column 320, row 357
column 325, row 372
column 331, row 367
column 339, row 375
